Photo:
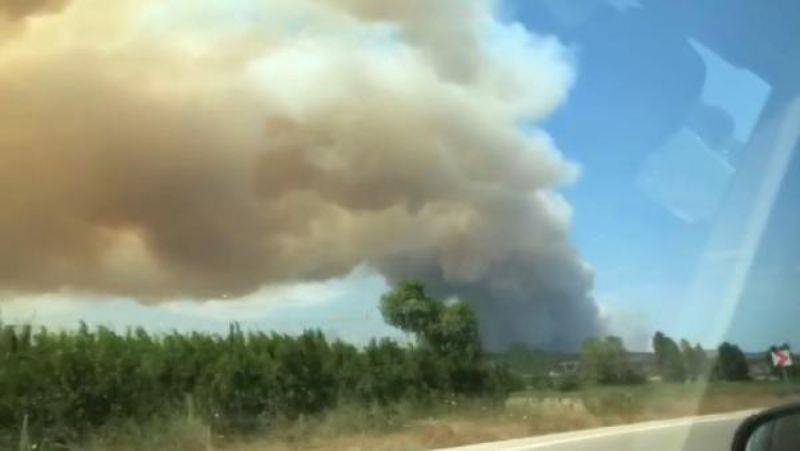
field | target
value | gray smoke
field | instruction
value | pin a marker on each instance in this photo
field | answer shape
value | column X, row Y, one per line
column 177, row 149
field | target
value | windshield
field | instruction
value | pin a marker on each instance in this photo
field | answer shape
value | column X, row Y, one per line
column 415, row 224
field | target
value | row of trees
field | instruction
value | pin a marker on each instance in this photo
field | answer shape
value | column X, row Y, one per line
column 679, row 364
column 605, row 361
column 690, row 363
column 68, row 384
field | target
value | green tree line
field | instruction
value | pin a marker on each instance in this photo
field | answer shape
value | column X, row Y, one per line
column 679, row 363
column 605, row 361
column 687, row 363
column 70, row 383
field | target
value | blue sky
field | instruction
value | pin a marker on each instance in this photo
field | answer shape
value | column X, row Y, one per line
column 658, row 124
column 652, row 188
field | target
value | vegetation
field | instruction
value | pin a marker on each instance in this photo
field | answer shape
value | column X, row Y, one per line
column 731, row 364
column 106, row 390
column 413, row 427
column 669, row 359
column 69, row 385
column 533, row 366
column 605, row 362
column 696, row 360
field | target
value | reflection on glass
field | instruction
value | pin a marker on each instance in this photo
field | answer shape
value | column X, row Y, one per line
column 781, row 434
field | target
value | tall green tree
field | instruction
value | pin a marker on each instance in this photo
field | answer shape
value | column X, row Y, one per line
column 731, row 364
column 669, row 360
column 411, row 310
column 446, row 328
column 448, row 331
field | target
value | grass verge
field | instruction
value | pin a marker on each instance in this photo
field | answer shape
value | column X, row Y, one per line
column 457, row 422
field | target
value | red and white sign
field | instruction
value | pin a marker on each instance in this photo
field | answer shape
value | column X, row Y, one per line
column 781, row 358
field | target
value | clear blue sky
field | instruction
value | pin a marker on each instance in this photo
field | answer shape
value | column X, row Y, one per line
column 658, row 124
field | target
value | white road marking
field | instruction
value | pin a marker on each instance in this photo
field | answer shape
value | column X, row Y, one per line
column 578, row 436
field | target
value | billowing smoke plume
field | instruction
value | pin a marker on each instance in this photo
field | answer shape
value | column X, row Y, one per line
column 172, row 149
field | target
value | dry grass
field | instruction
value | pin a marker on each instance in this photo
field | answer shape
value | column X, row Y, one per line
column 523, row 415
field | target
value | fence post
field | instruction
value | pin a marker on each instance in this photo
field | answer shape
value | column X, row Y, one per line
column 24, row 439
column 190, row 414
column 209, row 442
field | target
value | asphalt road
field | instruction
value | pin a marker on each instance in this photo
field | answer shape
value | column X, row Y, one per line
column 704, row 433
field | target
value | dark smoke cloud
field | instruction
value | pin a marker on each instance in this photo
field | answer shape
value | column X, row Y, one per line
column 150, row 154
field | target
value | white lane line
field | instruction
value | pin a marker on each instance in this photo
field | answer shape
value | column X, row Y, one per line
column 578, row 436
column 619, row 432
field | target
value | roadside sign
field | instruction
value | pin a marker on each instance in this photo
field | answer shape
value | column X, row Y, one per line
column 781, row 358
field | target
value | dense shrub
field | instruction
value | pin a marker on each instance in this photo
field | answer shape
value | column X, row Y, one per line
column 69, row 384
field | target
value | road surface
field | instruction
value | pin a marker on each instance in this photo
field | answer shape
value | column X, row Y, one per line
column 704, row 433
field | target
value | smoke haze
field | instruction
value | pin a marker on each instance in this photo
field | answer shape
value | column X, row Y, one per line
column 194, row 149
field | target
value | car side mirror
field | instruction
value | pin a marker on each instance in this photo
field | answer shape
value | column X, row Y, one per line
column 775, row 429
